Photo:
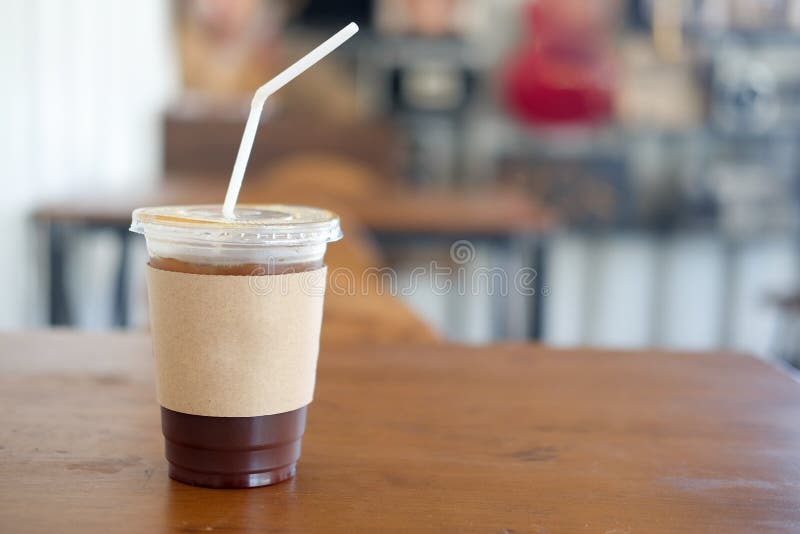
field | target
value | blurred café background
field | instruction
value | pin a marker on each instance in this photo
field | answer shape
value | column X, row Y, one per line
column 640, row 156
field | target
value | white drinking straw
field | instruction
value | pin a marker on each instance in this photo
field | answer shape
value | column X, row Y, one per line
column 264, row 92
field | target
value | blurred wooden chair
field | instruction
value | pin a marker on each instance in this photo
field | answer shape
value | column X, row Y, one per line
column 332, row 175
column 329, row 181
column 203, row 141
column 305, row 160
column 357, row 307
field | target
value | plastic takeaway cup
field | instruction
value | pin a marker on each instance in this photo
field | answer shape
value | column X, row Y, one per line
column 235, row 314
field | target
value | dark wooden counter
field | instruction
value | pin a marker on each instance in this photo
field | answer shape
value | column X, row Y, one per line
column 432, row 438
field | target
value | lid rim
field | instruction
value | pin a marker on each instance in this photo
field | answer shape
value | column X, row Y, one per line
column 268, row 224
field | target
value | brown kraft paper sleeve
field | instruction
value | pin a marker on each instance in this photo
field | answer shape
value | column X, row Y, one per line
column 235, row 346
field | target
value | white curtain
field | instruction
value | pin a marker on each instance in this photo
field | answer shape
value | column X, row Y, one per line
column 84, row 83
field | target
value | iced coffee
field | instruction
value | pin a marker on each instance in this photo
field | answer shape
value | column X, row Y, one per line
column 236, row 310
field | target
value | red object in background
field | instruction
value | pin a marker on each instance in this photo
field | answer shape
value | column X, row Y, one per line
column 563, row 71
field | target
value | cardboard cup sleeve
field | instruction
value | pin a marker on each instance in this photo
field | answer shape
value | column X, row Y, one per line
column 235, row 346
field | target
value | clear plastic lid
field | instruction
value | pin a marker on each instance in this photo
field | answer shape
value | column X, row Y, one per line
column 269, row 224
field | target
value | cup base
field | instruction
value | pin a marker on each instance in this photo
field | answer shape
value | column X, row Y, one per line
column 232, row 452
column 231, row 481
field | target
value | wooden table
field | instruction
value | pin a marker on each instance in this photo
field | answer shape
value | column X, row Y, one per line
column 465, row 212
column 431, row 438
column 505, row 216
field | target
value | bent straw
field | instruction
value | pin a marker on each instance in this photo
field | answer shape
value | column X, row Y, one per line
column 264, row 92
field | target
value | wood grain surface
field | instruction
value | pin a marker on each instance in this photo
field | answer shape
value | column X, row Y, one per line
column 436, row 438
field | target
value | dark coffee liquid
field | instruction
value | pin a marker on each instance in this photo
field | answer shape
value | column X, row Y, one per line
column 232, row 452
